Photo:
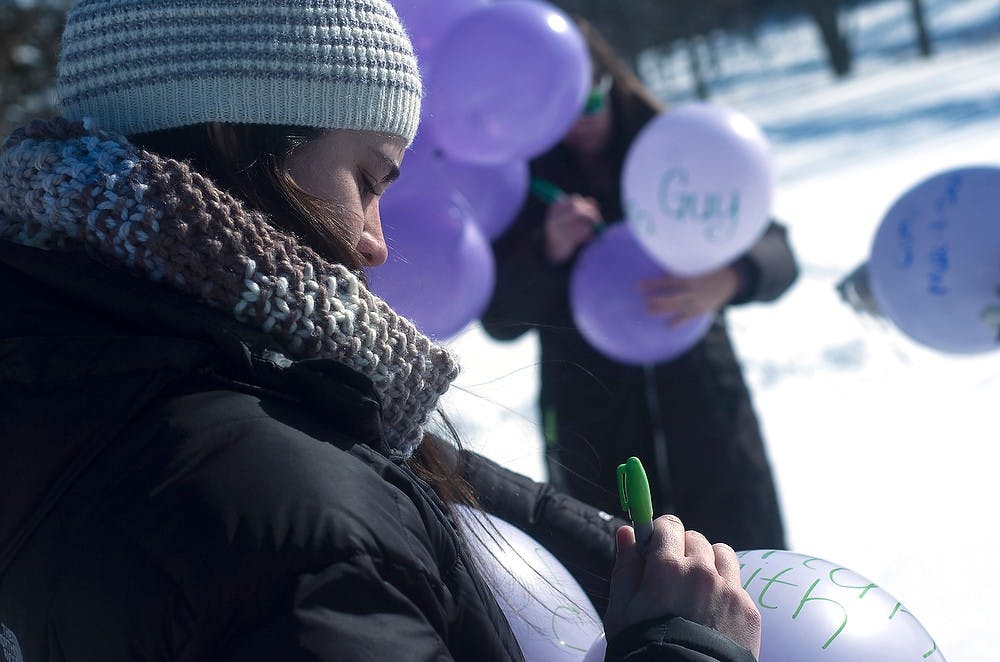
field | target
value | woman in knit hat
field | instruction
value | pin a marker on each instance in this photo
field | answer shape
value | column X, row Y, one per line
column 214, row 438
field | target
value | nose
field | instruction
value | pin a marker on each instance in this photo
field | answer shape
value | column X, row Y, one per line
column 371, row 245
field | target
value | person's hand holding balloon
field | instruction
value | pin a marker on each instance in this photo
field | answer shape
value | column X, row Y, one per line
column 681, row 574
column 685, row 298
column 570, row 222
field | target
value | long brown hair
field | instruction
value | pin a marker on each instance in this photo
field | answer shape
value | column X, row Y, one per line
column 250, row 161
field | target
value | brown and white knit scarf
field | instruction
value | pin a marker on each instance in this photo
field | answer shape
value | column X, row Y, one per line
column 66, row 186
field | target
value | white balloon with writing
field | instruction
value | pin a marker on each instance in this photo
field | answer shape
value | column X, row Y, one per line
column 812, row 609
column 935, row 261
column 550, row 615
column 697, row 186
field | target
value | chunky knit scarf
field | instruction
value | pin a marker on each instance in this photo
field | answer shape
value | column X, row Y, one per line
column 66, row 186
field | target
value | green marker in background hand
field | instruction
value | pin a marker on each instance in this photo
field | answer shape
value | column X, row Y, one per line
column 633, row 490
column 548, row 193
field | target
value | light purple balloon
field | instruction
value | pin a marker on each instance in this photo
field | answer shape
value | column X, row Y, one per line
column 495, row 192
column 610, row 310
column 427, row 21
column 812, row 609
column 598, row 650
column 697, row 186
column 935, row 260
column 440, row 272
column 547, row 610
column 422, row 169
column 508, row 82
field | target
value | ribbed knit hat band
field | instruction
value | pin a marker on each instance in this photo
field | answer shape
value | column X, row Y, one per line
column 142, row 65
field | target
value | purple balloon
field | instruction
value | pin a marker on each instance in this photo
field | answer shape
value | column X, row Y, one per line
column 549, row 613
column 597, row 650
column 440, row 272
column 697, row 186
column 812, row 609
column 422, row 169
column 508, row 82
column 427, row 21
column 935, row 261
column 610, row 310
column 495, row 192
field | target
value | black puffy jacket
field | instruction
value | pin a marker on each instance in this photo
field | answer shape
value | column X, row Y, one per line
column 174, row 488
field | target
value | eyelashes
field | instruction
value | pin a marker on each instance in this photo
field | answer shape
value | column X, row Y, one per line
column 367, row 186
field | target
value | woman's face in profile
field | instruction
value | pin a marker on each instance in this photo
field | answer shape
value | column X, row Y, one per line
column 350, row 170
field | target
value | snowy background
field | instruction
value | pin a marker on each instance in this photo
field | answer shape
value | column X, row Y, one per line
column 884, row 451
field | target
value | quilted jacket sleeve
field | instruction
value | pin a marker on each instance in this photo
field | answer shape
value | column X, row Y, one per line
column 357, row 609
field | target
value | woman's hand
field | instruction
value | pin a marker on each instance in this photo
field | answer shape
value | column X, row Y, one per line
column 570, row 222
column 680, row 574
column 682, row 299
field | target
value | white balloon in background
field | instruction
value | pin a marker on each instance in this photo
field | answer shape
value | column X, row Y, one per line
column 549, row 613
column 812, row 609
column 697, row 186
column 935, row 260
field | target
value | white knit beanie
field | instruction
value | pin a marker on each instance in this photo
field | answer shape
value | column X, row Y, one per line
column 145, row 65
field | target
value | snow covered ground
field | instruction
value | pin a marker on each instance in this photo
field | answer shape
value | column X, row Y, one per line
column 884, row 451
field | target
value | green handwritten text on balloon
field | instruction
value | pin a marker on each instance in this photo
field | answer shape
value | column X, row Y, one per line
column 814, row 609
column 682, row 202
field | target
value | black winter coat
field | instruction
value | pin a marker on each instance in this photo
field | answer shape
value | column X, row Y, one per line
column 174, row 488
column 690, row 420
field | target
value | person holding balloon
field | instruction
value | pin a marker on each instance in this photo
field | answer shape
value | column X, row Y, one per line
column 693, row 413
column 215, row 439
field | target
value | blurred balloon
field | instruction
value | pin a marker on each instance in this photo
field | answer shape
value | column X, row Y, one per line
column 610, row 310
column 427, row 21
column 422, row 169
column 440, row 272
column 495, row 192
column 935, row 261
column 549, row 613
column 597, row 650
column 696, row 186
column 508, row 81
column 812, row 609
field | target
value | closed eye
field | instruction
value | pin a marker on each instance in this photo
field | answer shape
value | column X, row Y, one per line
column 391, row 167
column 368, row 185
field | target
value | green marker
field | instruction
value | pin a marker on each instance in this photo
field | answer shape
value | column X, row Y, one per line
column 548, row 193
column 633, row 490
